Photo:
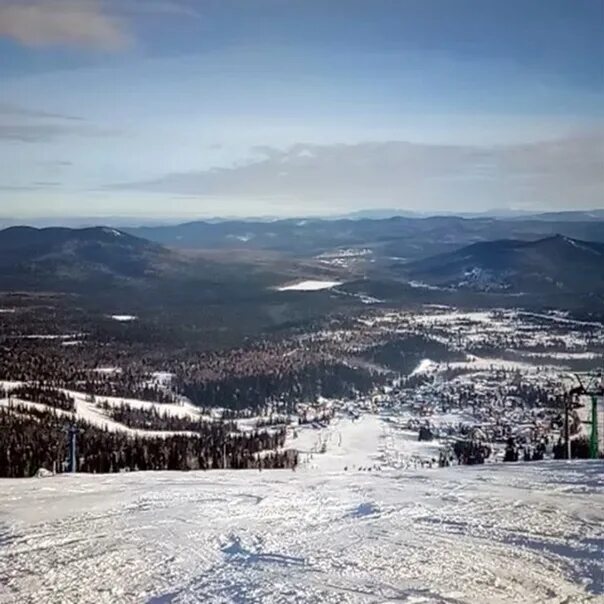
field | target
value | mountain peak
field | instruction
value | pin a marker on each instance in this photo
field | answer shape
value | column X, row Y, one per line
column 557, row 263
column 65, row 255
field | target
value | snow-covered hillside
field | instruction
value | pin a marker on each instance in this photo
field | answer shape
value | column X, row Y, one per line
column 347, row 526
column 87, row 409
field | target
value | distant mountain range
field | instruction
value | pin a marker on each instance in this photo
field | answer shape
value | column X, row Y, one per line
column 400, row 237
column 370, row 214
column 549, row 265
column 94, row 260
column 499, row 213
column 568, row 216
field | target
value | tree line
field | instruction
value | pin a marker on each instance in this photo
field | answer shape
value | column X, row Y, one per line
column 31, row 439
column 155, row 419
column 306, row 383
column 38, row 393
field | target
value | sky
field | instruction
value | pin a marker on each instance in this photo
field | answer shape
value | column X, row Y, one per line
column 168, row 109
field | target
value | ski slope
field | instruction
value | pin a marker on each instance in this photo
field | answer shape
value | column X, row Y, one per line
column 347, row 526
column 86, row 409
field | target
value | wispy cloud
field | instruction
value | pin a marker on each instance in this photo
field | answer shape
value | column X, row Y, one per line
column 44, row 133
column 56, row 163
column 157, row 7
column 10, row 110
column 16, row 188
column 34, row 186
column 27, row 125
column 82, row 23
column 557, row 173
column 94, row 24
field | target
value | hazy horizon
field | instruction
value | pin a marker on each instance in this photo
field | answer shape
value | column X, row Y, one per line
column 171, row 110
column 116, row 221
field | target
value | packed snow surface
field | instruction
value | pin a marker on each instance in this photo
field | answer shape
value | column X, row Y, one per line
column 309, row 286
column 347, row 526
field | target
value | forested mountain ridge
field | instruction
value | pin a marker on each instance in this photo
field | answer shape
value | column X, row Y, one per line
column 29, row 255
column 555, row 263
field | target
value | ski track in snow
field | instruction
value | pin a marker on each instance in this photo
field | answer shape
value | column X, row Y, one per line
column 509, row 533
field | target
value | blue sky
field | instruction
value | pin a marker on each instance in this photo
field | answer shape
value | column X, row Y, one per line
column 176, row 108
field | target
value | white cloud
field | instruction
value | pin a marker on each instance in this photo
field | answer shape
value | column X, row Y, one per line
column 81, row 23
column 561, row 173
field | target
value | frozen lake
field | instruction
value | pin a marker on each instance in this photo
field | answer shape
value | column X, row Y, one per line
column 309, row 286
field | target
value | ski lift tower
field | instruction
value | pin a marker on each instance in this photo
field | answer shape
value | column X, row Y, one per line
column 594, row 389
column 72, row 434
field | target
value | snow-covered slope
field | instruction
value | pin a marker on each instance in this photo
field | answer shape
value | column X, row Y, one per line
column 521, row 533
column 87, row 409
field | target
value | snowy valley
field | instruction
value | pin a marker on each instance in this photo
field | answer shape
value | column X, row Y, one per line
column 379, row 504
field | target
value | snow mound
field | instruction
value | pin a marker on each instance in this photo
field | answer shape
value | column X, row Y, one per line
column 424, row 366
